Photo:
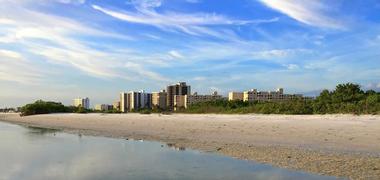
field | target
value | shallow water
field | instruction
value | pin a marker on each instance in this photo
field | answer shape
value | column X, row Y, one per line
column 37, row 153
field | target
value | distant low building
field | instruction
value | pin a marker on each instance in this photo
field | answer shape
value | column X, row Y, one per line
column 116, row 105
column 184, row 101
column 82, row 102
column 103, row 107
column 232, row 96
column 278, row 95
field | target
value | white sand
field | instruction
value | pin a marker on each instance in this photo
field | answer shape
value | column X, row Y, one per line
column 325, row 144
column 336, row 132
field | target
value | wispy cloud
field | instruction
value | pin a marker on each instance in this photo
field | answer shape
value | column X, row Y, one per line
column 193, row 1
column 54, row 39
column 311, row 12
column 44, row 1
column 194, row 24
column 10, row 54
column 139, row 70
column 14, row 68
column 279, row 53
column 175, row 54
column 72, row 1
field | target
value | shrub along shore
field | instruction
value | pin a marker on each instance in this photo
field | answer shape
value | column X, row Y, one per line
column 345, row 99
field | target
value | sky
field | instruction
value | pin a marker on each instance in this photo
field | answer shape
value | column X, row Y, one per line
column 62, row 49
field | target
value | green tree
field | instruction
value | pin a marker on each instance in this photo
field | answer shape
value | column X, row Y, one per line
column 42, row 107
column 323, row 102
column 347, row 93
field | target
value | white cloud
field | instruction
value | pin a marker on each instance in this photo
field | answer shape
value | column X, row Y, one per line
column 145, row 4
column 311, row 12
column 155, row 37
column 14, row 70
column 192, row 24
column 291, row 66
column 6, row 21
column 53, row 39
column 20, row 2
column 10, row 54
column 139, row 70
column 193, row 1
column 176, row 54
column 172, row 19
column 279, row 53
column 71, row 1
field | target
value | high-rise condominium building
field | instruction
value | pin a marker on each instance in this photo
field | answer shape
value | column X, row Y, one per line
column 135, row 101
column 159, row 99
column 176, row 89
column 82, row 102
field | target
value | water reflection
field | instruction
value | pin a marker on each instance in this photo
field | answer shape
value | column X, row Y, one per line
column 65, row 156
column 41, row 131
column 175, row 147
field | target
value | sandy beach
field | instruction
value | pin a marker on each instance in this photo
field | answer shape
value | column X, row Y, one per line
column 337, row 145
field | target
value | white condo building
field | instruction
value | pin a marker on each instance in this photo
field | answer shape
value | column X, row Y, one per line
column 82, row 102
column 135, row 100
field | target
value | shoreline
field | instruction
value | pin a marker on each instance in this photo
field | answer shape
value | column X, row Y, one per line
column 335, row 145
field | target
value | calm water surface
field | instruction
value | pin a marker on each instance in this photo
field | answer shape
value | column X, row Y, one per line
column 36, row 154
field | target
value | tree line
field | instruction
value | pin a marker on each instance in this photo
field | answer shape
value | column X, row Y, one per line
column 345, row 98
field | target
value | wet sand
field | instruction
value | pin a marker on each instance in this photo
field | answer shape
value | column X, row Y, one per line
column 337, row 145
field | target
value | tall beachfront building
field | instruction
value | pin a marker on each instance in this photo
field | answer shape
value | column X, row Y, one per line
column 135, row 100
column 82, row 102
column 159, row 99
column 176, row 89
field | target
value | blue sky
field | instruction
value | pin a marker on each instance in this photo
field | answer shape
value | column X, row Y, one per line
column 62, row 49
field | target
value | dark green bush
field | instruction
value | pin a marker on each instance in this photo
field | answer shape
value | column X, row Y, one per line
column 42, row 107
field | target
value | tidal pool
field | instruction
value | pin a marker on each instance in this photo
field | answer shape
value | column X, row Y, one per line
column 37, row 153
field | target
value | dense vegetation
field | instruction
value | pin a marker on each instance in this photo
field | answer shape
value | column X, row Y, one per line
column 6, row 110
column 43, row 107
column 346, row 98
